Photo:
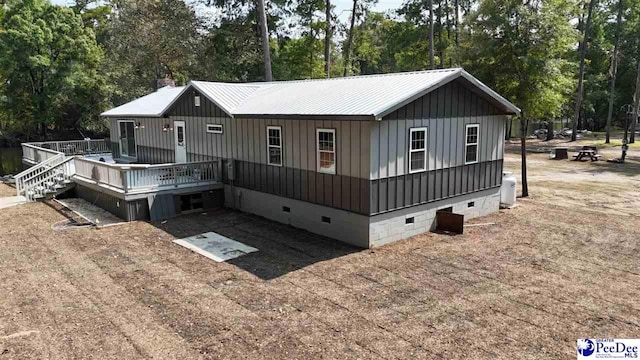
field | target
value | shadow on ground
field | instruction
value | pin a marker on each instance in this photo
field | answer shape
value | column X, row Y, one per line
column 282, row 248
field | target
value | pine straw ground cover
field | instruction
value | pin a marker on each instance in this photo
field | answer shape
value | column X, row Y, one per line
column 548, row 272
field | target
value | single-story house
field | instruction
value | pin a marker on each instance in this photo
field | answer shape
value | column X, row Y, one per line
column 366, row 159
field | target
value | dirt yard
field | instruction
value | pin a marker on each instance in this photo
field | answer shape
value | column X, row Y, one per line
column 560, row 266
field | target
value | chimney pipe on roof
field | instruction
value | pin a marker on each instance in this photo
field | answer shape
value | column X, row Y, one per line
column 164, row 82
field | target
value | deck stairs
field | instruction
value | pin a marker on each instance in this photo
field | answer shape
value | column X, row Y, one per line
column 47, row 179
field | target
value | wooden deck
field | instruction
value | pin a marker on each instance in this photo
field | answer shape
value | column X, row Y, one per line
column 126, row 181
column 138, row 179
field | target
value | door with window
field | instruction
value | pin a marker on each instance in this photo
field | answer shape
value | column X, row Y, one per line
column 127, row 138
column 181, row 141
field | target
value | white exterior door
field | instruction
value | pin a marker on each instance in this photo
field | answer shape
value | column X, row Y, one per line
column 181, row 141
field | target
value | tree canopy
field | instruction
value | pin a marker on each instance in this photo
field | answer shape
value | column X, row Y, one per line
column 62, row 66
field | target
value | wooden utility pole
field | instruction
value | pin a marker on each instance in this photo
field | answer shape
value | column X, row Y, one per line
column 583, row 53
column 264, row 35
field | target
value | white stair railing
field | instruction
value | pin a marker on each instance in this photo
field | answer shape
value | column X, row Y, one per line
column 45, row 178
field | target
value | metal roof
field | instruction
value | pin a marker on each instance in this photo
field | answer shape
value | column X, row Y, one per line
column 151, row 105
column 226, row 96
column 371, row 96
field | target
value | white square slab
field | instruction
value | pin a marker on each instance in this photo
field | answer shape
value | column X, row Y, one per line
column 215, row 246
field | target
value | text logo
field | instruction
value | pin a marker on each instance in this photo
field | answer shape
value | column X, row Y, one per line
column 586, row 347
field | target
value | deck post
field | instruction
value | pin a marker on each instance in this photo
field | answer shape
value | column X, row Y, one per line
column 125, row 183
column 175, row 176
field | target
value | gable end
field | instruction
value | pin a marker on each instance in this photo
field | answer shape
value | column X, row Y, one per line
column 185, row 106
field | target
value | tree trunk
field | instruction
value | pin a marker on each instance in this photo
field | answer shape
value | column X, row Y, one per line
column 523, row 154
column 636, row 107
column 311, row 44
column 457, row 32
column 432, row 64
column 327, row 41
column 347, row 57
column 614, row 69
column 264, row 34
column 440, row 48
column 583, row 52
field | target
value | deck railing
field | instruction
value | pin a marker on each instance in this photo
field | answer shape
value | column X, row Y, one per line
column 138, row 178
column 37, row 154
column 39, row 151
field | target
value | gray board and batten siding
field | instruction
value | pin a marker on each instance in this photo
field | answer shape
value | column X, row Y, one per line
column 245, row 141
column 445, row 113
column 372, row 174
column 154, row 146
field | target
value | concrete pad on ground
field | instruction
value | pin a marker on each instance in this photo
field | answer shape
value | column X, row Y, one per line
column 10, row 201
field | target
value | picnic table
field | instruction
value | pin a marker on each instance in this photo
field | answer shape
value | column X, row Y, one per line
column 587, row 153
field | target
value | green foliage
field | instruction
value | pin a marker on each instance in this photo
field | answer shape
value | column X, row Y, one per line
column 62, row 66
column 520, row 49
column 50, row 64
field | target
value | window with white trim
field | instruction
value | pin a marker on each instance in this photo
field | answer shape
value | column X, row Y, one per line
column 274, row 145
column 214, row 128
column 417, row 149
column 472, row 133
column 326, row 150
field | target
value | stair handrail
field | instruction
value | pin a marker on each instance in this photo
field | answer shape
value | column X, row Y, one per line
column 35, row 170
column 30, row 187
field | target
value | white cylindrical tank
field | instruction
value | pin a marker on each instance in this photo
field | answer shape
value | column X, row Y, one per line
column 508, row 189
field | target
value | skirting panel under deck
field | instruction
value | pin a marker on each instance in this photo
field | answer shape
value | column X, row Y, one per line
column 126, row 210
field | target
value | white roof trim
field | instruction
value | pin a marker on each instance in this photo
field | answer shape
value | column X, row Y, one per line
column 380, row 113
column 487, row 90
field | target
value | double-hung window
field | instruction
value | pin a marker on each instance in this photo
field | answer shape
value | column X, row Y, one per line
column 127, row 138
column 417, row 149
column 472, row 132
column 274, row 145
column 326, row 150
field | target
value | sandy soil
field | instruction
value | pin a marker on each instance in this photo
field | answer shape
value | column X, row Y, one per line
column 6, row 190
column 590, row 186
column 556, row 268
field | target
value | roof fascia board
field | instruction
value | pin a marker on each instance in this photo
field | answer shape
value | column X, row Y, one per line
column 307, row 117
column 150, row 116
column 175, row 99
column 458, row 73
column 487, row 90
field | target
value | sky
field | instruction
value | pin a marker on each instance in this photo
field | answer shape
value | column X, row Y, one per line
column 382, row 5
column 340, row 6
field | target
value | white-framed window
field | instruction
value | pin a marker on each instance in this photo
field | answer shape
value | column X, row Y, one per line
column 214, row 128
column 326, row 141
column 274, row 145
column 472, row 132
column 127, row 137
column 417, row 149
